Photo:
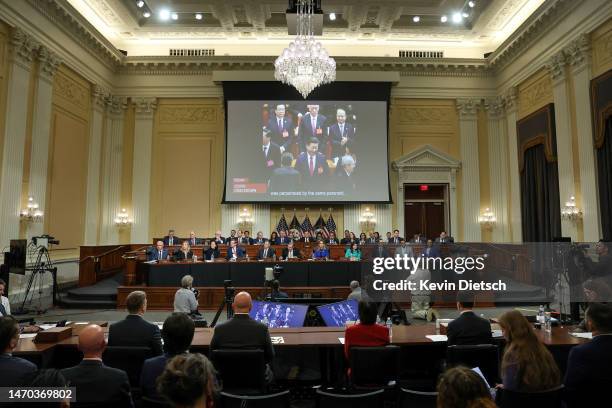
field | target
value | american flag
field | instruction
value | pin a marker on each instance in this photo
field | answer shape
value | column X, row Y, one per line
column 306, row 225
column 295, row 225
column 320, row 227
column 331, row 225
column 282, row 224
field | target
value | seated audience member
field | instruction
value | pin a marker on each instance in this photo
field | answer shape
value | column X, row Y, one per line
column 589, row 366
column 332, row 239
column 276, row 292
column 366, row 332
column 242, row 332
column 595, row 291
column 431, row 250
column 460, row 387
column 444, row 239
column 95, row 382
column 193, row 241
column 372, row 238
column 234, row 252
column 177, row 332
column 352, row 238
column 48, row 378
column 232, row 236
column 381, row 250
column 320, row 252
column 468, row 328
column 347, row 238
column 395, row 238
column 319, row 237
column 246, row 238
column 363, row 239
column 185, row 300
column 307, row 238
column 417, row 239
column 273, row 237
column 219, row 239
column 266, row 252
column 353, row 253
column 12, row 369
column 404, row 249
column 184, row 252
column 212, row 252
column 355, row 291
column 159, row 253
column 259, row 239
column 5, row 305
column 291, row 252
column 188, row 381
column 171, row 239
column 134, row 330
column 283, row 239
column 389, row 236
column 527, row 365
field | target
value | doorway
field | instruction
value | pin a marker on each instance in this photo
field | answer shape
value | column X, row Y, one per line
column 426, row 209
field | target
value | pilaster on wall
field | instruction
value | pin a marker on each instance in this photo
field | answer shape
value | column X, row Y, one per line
column 468, row 131
column 579, row 58
column 229, row 217
column 261, row 219
column 141, row 173
column 351, row 218
column 565, row 159
column 21, row 53
column 514, row 202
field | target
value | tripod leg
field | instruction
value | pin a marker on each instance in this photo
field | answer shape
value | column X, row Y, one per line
column 218, row 314
column 27, row 292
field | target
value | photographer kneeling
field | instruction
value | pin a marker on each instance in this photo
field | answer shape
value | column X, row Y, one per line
column 186, row 298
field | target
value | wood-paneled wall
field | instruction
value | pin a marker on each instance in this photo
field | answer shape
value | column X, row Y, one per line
column 188, row 166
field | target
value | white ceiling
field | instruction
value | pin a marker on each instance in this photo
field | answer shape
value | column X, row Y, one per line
column 258, row 27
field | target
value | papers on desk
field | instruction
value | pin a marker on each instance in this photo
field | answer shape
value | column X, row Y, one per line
column 81, row 322
column 341, row 339
column 437, row 337
column 27, row 335
column 497, row 333
column 583, row 335
column 151, row 262
column 47, row 326
column 278, row 340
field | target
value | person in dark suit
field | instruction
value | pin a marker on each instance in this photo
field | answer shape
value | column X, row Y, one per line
column 184, row 252
column 270, row 157
column 291, row 252
column 285, row 178
column 313, row 167
column 468, row 328
column 341, row 135
column 281, row 128
column 212, row 252
column 332, row 239
column 283, row 239
column 13, row 368
column 234, row 252
column 307, row 238
column 345, row 179
column 246, row 238
column 259, row 239
column 242, row 332
column 171, row 239
column 395, row 238
column 159, row 253
column 418, row 239
column 219, row 239
column 193, row 240
column 177, row 333
column 381, row 250
column 232, row 236
column 134, row 331
column 266, row 252
column 431, row 250
column 589, row 366
column 312, row 125
column 277, row 293
column 95, row 382
column 444, row 239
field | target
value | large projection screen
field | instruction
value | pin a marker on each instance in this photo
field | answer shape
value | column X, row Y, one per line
column 288, row 151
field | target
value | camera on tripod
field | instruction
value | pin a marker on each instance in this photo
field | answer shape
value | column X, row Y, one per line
column 230, row 291
column 44, row 241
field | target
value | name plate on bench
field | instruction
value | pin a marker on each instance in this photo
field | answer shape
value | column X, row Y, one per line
column 53, row 335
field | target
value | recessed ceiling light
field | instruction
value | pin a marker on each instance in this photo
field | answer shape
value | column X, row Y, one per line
column 457, row 18
column 198, row 16
column 416, row 19
column 140, row 4
column 444, row 19
column 175, row 16
column 164, row 14
column 471, row 4
column 332, row 16
column 465, row 15
column 146, row 14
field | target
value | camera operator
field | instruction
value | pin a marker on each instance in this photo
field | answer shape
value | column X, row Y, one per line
column 185, row 299
column 601, row 269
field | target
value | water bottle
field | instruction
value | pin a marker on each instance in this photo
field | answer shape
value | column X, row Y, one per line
column 541, row 315
column 195, row 258
column 547, row 322
column 378, row 321
column 389, row 325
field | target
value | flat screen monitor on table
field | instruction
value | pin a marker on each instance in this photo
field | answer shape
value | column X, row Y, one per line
column 337, row 314
column 279, row 314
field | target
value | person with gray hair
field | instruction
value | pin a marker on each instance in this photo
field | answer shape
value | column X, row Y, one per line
column 341, row 135
column 355, row 291
column 185, row 300
column 345, row 177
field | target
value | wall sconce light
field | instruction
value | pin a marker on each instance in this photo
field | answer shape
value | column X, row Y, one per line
column 245, row 219
column 123, row 219
column 367, row 220
column 487, row 218
column 31, row 213
column 570, row 211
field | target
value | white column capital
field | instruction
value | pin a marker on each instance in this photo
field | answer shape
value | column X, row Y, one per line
column 468, row 108
column 578, row 53
column 49, row 62
column 510, row 98
column 99, row 96
column 556, row 67
column 22, row 48
column 145, row 107
column 495, row 107
column 116, row 105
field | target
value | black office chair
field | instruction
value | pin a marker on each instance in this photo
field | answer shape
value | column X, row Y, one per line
column 278, row 400
column 546, row 399
column 148, row 402
column 128, row 359
column 484, row 356
column 374, row 399
column 416, row 399
column 374, row 366
column 242, row 372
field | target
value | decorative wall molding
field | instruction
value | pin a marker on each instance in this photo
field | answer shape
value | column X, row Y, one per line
column 187, row 114
column 22, row 48
column 145, row 106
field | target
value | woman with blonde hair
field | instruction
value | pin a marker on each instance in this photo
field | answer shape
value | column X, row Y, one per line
column 527, row 365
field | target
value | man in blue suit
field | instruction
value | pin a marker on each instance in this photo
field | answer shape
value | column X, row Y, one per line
column 281, row 128
column 234, row 252
column 312, row 125
column 13, row 368
column 589, row 366
column 171, row 239
column 159, row 253
column 313, row 167
column 282, row 239
column 341, row 135
column 177, row 333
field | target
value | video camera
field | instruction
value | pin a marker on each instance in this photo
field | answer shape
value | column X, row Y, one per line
column 45, row 240
column 230, row 291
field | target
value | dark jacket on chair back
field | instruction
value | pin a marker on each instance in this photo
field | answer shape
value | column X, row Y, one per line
column 97, row 383
column 134, row 331
column 242, row 332
column 469, row 329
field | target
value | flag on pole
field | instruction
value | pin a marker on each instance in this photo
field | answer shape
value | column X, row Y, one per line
column 306, row 225
column 282, row 224
column 320, row 227
column 331, row 225
column 295, row 225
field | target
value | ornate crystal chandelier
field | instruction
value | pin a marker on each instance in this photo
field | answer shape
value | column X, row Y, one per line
column 305, row 64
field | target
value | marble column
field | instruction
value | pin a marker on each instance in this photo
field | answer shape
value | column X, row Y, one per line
column 514, row 177
column 261, row 219
column 565, row 158
column 41, row 130
column 92, row 210
column 470, row 176
column 21, row 52
column 498, row 169
column 352, row 214
column 141, row 170
column 112, row 169
column 579, row 57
